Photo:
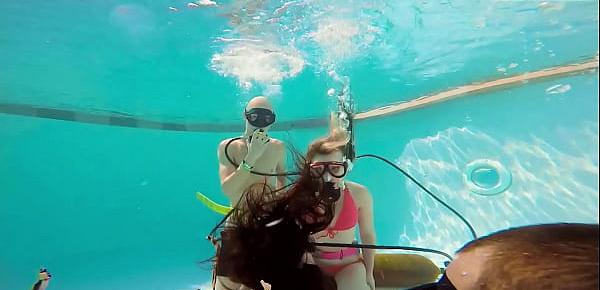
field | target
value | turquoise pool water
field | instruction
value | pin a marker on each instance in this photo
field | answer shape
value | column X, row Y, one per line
column 108, row 207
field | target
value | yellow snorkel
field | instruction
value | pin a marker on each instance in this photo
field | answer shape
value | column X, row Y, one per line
column 218, row 208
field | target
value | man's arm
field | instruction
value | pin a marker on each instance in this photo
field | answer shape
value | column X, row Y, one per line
column 234, row 180
column 281, row 180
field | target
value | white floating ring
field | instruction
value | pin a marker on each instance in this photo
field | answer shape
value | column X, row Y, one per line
column 502, row 183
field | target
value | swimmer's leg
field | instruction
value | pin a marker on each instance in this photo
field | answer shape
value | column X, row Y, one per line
column 352, row 277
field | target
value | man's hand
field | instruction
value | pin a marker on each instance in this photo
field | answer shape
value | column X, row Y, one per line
column 257, row 146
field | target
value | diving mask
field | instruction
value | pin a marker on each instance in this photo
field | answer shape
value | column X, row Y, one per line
column 260, row 117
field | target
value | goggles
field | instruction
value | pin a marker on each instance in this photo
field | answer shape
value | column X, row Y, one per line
column 260, row 117
column 335, row 168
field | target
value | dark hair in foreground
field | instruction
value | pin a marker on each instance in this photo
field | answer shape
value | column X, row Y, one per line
column 550, row 256
column 270, row 234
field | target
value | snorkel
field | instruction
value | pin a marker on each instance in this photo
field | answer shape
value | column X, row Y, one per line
column 342, row 120
column 345, row 116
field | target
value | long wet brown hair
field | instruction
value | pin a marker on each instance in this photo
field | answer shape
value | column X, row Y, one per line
column 270, row 233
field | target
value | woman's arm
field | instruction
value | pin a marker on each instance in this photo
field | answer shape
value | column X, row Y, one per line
column 366, row 229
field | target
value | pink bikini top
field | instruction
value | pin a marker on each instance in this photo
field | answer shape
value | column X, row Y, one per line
column 348, row 217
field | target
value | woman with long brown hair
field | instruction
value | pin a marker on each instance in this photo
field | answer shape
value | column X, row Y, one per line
column 269, row 233
column 353, row 210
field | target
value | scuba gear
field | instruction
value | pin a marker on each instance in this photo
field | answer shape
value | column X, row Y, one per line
column 336, row 169
column 329, row 193
column 462, row 218
column 252, row 171
column 260, row 117
column 345, row 116
column 215, row 207
column 257, row 129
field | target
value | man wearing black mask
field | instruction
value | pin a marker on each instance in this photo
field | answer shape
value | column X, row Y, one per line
column 244, row 161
